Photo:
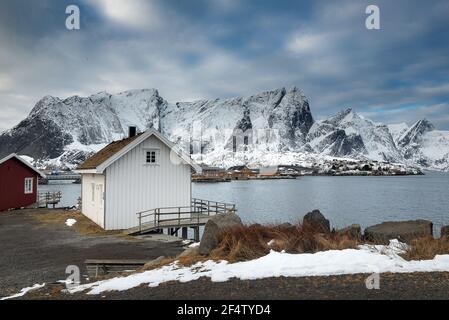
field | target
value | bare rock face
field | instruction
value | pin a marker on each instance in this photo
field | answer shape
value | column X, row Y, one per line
column 216, row 225
column 404, row 231
column 316, row 221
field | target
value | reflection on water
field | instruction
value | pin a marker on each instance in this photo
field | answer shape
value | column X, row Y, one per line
column 343, row 200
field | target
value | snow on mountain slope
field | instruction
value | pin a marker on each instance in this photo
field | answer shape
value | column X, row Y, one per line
column 65, row 131
column 269, row 128
column 210, row 124
column 424, row 145
column 397, row 130
column 350, row 134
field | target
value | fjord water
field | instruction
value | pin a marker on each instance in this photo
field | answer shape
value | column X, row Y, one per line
column 343, row 200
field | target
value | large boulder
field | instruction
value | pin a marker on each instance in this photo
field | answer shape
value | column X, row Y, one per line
column 214, row 226
column 316, row 221
column 445, row 231
column 404, row 231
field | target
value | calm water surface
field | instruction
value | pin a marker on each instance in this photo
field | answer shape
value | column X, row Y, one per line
column 343, row 200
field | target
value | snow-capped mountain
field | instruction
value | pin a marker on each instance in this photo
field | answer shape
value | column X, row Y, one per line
column 269, row 128
column 423, row 145
column 348, row 134
column 65, row 131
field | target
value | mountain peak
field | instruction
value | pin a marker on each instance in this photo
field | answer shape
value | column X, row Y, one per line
column 424, row 125
column 414, row 134
column 43, row 103
column 347, row 114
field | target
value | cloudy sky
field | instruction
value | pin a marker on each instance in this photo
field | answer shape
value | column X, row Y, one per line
column 192, row 49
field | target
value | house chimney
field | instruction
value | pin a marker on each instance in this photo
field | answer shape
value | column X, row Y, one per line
column 132, row 131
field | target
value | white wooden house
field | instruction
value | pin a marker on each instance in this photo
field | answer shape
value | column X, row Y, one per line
column 138, row 173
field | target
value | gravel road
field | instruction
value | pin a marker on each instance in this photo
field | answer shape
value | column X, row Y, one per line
column 34, row 252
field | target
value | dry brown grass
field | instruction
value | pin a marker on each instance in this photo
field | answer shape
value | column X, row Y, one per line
column 244, row 243
column 426, row 248
column 83, row 225
column 251, row 242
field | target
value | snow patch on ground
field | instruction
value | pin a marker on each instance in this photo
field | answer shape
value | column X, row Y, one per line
column 365, row 259
column 70, row 222
column 24, row 291
column 193, row 245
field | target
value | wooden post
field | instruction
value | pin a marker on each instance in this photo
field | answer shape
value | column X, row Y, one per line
column 140, row 222
column 197, row 234
column 184, row 233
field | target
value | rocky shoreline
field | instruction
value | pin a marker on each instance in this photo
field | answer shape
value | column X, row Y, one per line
column 403, row 231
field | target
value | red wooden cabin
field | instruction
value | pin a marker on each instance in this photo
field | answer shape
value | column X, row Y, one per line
column 18, row 183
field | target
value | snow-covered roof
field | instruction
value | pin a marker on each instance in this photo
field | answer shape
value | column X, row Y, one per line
column 26, row 163
column 115, row 150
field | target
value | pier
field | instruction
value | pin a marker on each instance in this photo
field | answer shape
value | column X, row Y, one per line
column 49, row 198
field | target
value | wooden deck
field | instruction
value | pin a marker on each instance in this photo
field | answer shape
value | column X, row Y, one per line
column 193, row 216
column 192, row 221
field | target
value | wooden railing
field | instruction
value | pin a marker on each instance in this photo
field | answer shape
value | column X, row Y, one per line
column 181, row 216
column 46, row 198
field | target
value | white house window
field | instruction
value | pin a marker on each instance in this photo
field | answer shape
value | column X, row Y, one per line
column 151, row 157
column 28, row 185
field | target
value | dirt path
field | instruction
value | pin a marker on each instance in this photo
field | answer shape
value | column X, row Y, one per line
column 37, row 247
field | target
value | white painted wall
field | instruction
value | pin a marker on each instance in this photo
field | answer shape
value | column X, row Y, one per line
column 133, row 186
column 93, row 208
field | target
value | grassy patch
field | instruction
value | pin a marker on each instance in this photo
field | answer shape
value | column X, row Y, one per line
column 426, row 248
column 83, row 225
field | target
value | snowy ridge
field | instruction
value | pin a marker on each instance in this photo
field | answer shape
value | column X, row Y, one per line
column 349, row 134
column 272, row 127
